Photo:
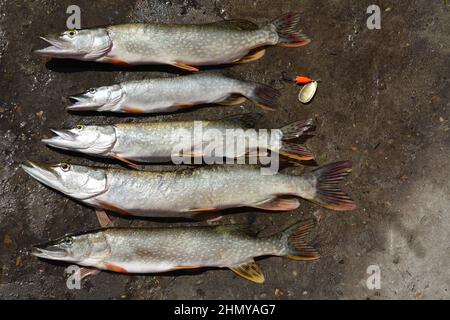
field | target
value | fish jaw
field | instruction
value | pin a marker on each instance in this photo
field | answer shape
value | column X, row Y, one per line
column 83, row 103
column 57, row 49
column 52, row 252
column 63, row 139
column 41, row 173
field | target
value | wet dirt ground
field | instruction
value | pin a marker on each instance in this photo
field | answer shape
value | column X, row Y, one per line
column 383, row 103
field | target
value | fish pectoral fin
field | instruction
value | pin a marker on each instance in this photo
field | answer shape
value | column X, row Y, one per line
column 278, row 204
column 185, row 67
column 111, row 207
column 253, row 55
column 249, row 270
column 103, row 218
column 125, row 160
column 232, row 100
column 133, row 110
column 115, row 268
column 85, row 272
column 117, row 61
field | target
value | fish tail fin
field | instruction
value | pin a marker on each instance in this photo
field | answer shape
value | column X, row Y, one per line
column 264, row 96
column 295, row 240
column 327, row 193
column 285, row 28
column 295, row 151
column 293, row 131
column 296, row 129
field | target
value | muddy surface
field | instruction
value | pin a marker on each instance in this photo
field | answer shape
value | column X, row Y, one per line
column 383, row 103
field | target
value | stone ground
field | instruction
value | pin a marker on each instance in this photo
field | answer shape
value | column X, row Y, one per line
column 383, row 103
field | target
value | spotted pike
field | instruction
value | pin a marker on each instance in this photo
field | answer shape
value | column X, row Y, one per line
column 190, row 192
column 175, row 93
column 157, row 250
column 162, row 141
column 183, row 46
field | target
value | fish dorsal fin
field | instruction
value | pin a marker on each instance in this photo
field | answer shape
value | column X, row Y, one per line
column 249, row 270
column 237, row 24
column 244, row 229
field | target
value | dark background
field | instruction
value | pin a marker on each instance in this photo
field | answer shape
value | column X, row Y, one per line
column 382, row 103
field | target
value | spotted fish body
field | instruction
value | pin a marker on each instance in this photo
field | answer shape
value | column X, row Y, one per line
column 196, row 45
column 190, row 192
column 175, row 93
column 184, row 46
column 165, row 249
column 146, row 250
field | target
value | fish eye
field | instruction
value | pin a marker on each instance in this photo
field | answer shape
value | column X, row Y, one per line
column 71, row 33
column 92, row 90
column 68, row 240
column 80, row 127
column 65, row 167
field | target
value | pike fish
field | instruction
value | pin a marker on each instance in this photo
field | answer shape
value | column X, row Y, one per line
column 155, row 250
column 190, row 193
column 175, row 93
column 182, row 46
column 161, row 141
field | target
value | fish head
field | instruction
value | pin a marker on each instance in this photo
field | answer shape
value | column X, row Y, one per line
column 97, row 99
column 95, row 140
column 86, row 44
column 73, row 248
column 78, row 182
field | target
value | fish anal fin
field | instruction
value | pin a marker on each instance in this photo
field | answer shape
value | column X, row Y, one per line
column 115, row 268
column 233, row 100
column 181, row 105
column 187, row 267
column 278, row 204
column 264, row 107
column 300, row 258
column 185, row 67
column 125, row 160
column 250, row 271
column 253, row 55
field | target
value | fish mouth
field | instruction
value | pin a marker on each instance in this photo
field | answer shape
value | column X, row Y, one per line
column 81, row 103
column 63, row 139
column 49, row 251
column 41, row 173
column 57, row 49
